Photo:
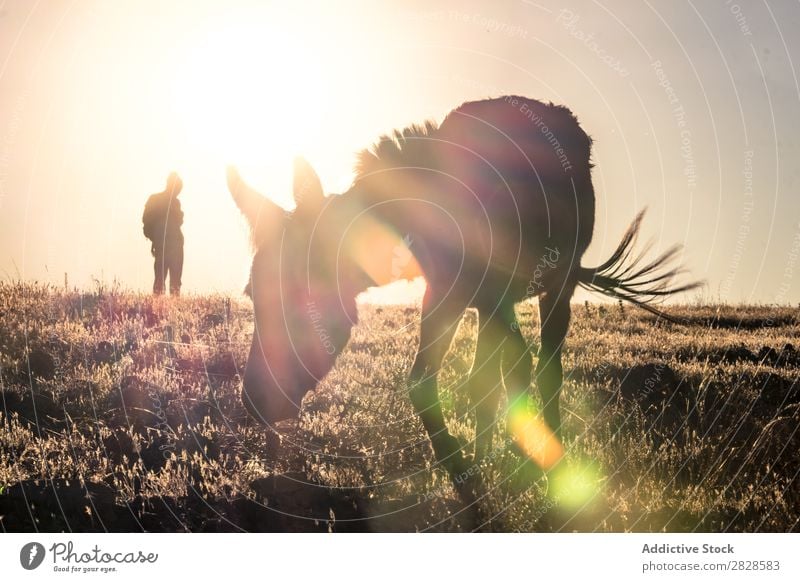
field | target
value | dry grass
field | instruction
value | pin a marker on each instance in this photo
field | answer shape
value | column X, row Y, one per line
column 121, row 411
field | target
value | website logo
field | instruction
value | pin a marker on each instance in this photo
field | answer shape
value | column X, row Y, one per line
column 31, row 555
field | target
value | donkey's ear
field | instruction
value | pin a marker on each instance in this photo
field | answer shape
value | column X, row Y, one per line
column 307, row 187
column 261, row 213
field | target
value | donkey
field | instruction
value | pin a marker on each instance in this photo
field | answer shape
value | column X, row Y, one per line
column 498, row 205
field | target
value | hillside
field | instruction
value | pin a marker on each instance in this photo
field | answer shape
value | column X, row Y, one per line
column 121, row 412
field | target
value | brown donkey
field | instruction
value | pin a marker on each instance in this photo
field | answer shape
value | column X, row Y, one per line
column 497, row 206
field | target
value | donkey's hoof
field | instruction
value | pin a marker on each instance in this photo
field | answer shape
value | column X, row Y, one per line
column 527, row 471
column 457, row 465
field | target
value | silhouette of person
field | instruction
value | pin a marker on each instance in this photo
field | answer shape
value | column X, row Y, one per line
column 162, row 220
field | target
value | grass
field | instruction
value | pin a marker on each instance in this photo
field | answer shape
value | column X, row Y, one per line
column 120, row 412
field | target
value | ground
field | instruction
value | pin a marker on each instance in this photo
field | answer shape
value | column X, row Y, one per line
column 121, row 412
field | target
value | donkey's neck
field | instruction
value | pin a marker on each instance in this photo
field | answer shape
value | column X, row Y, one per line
column 380, row 243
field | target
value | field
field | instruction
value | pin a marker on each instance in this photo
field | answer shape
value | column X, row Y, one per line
column 121, row 412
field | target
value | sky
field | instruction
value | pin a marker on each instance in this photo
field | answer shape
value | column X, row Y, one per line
column 694, row 108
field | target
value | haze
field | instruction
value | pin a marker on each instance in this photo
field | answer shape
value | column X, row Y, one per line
column 694, row 109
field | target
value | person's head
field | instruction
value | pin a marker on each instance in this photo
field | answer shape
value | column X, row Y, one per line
column 174, row 184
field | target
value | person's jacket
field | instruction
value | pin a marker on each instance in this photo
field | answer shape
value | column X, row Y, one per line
column 162, row 218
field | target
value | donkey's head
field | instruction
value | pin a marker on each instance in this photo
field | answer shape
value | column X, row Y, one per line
column 302, row 295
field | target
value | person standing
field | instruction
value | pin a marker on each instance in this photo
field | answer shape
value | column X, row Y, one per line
column 162, row 220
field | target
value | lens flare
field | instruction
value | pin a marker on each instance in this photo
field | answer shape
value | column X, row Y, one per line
column 382, row 253
column 574, row 485
column 534, row 437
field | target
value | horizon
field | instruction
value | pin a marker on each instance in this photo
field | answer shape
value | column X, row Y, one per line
column 691, row 111
column 384, row 296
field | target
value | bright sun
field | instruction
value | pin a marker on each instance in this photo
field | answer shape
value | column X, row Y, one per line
column 255, row 97
column 244, row 96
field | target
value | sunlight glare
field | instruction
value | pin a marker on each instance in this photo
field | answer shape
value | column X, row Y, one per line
column 534, row 436
column 575, row 484
column 248, row 96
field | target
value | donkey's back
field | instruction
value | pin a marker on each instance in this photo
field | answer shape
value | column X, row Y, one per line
column 512, row 178
column 524, row 133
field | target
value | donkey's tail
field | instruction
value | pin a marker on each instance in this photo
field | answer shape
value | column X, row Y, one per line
column 624, row 277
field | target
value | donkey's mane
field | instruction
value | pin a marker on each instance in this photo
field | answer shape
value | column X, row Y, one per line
column 408, row 147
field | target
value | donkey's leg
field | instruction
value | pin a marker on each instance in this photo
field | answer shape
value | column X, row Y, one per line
column 439, row 323
column 554, row 312
column 517, row 363
column 484, row 380
column 498, row 335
